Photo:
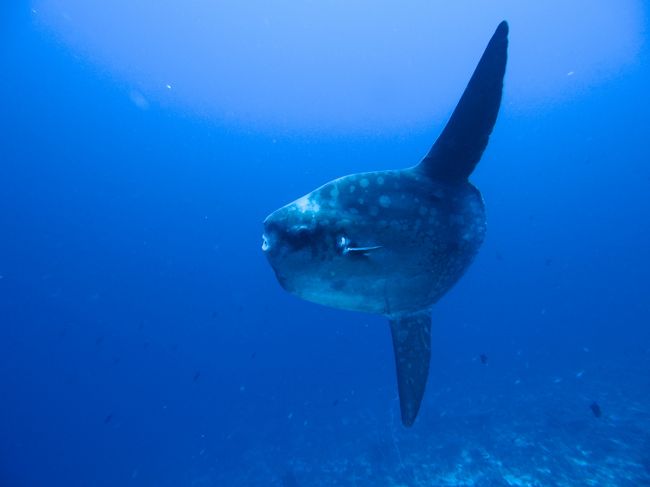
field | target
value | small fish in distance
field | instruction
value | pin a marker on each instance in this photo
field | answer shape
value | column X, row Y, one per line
column 595, row 408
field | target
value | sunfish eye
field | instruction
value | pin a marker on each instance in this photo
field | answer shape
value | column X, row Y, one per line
column 343, row 243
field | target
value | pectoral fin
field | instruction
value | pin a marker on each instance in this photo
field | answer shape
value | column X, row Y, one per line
column 360, row 250
column 412, row 345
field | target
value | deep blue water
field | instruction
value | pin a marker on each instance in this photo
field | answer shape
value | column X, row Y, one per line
column 145, row 341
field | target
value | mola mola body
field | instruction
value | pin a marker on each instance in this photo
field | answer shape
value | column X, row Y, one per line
column 393, row 242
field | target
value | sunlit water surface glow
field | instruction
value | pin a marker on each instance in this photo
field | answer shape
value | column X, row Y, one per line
column 361, row 66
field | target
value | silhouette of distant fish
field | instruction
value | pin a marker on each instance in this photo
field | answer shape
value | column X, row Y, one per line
column 595, row 408
column 484, row 359
column 197, row 374
column 108, row 418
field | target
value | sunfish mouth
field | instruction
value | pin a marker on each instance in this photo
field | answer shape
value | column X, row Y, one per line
column 266, row 243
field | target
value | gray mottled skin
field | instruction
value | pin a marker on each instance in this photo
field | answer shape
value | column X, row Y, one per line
column 393, row 242
column 428, row 233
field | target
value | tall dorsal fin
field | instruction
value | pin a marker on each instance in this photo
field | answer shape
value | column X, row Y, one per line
column 461, row 144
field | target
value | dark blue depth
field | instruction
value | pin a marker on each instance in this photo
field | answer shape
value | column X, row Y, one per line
column 145, row 341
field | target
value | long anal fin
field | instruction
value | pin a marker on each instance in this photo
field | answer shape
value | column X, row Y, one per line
column 412, row 345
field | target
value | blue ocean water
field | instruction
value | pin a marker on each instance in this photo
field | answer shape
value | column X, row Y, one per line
column 144, row 339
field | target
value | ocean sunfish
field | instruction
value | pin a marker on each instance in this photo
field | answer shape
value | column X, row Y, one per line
column 393, row 242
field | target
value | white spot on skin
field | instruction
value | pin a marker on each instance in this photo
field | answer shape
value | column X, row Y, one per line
column 380, row 180
column 334, row 193
column 352, row 188
column 304, row 205
column 384, row 201
column 364, row 183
